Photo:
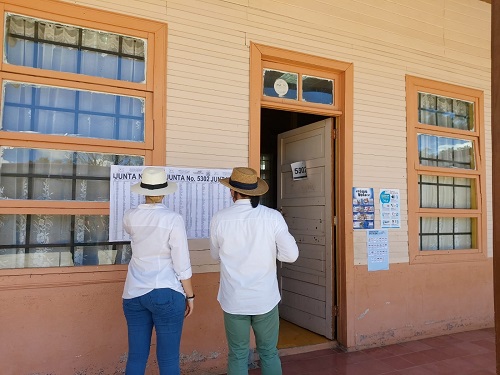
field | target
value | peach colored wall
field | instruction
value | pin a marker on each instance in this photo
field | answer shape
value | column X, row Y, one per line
column 409, row 302
column 82, row 330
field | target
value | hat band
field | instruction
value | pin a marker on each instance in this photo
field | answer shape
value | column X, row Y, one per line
column 154, row 187
column 242, row 185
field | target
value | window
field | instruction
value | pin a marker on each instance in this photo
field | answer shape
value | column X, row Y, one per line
column 446, row 172
column 77, row 97
column 65, row 48
column 285, row 87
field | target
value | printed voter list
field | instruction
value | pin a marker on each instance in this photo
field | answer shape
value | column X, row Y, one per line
column 199, row 195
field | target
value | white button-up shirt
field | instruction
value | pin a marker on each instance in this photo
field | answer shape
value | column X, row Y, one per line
column 160, row 253
column 247, row 241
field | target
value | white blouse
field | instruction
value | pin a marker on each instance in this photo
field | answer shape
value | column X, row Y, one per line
column 160, row 253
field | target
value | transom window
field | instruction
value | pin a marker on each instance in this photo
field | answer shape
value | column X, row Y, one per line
column 60, row 133
column 445, row 172
column 292, row 86
column 280, row 84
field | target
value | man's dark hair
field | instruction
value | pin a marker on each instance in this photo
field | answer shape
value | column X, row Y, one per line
column 254, row 201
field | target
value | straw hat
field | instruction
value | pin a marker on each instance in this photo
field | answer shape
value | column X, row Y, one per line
column 245, row 181
column 154, row 182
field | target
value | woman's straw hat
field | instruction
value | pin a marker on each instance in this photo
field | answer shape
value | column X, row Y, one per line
column 154, row 182
column 245, row 181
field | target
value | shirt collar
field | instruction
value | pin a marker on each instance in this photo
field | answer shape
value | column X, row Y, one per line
column 151, row 206
column 242, row 201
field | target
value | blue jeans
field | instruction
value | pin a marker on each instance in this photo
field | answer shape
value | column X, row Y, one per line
column 266, row 330
column 163, row 309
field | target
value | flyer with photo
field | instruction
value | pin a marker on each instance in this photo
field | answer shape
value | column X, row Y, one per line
column 363, row 208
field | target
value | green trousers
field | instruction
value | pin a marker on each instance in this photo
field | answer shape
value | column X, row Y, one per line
column 266, row 329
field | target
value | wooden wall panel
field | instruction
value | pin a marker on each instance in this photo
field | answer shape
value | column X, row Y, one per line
column 208, row 74
column 152, row 9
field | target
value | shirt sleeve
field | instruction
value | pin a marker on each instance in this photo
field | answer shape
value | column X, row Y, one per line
column 179, row 250
column 214, row 244
column 125, row 223
column 287, row 247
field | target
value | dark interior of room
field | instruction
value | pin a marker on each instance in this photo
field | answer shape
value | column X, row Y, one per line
column 274, row 122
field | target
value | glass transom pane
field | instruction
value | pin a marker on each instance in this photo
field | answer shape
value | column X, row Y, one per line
column 445, row 152
column 447, row 233
column 446, row 192
column 64, row 48
column 41, row 174
column 77, row 113
column 317, row 90
column 280, row 84
column 445, row 112
column 58, row 241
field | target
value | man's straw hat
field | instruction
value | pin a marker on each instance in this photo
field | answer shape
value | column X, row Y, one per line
column 245, row 181
column 154, row 182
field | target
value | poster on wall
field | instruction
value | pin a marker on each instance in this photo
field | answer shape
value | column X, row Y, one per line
column 199, row 195
column 390, row 211
column 363, row 208
column 377, row 249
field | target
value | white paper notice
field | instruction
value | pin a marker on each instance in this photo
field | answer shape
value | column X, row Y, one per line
column 199, row 195
column 390, row 208
column 299, row 170
column 378, row 249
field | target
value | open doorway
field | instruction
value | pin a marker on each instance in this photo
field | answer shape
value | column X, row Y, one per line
column 274, row 122
column 299, row 326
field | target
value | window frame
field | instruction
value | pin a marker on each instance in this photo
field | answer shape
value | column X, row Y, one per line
column 153, row 91
column 414, row 85
column 298, row 104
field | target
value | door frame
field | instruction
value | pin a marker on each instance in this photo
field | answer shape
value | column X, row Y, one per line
column 261, row 56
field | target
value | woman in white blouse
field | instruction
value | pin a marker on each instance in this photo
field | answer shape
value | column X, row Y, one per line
column 158, row 290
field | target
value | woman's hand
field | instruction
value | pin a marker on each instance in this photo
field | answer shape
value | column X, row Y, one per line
column 188, row 290
column 189, row 307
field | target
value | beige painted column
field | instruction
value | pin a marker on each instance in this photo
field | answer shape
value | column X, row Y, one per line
column 495, row 137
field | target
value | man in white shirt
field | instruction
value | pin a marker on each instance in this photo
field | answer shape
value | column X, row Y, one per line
column 247, row 238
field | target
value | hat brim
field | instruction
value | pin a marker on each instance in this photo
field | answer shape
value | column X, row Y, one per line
column 261, row 188
column 170, row 189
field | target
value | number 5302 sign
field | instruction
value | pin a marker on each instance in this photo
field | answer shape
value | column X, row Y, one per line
column 299, row 171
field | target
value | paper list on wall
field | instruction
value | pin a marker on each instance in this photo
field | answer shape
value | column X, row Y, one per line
column 199, row 195
column 121, row 198
column 377, row 249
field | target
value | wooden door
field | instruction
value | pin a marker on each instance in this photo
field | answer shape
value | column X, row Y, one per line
column 306, row 204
